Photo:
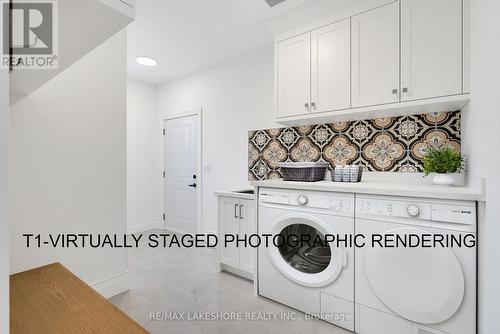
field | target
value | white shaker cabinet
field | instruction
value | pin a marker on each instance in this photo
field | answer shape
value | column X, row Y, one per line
column 228, row 224
column 375, row 56
column 247, row 227
column 380, row 58
column 293, row 75
column 330, row 65
column 431, row 48
column 236, row 217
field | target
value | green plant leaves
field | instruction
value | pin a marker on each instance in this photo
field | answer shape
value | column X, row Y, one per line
column 443, row 160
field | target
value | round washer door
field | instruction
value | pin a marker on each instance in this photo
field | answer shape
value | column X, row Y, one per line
column 424, row 285
column 319, row 272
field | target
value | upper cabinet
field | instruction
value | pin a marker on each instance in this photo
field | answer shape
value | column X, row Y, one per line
column 375, row 56
column 293, row 73
column 431, row 48
column 330, row 62
column 313, row 71
column 376, row 60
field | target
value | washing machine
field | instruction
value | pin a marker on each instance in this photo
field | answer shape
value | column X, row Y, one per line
column 415, row 290
column 315, row 278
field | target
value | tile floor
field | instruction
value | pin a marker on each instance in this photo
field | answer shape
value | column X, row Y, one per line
column 187, row 280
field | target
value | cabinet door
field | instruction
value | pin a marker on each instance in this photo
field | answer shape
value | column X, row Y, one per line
column 375, row 56
column 431, row 48
column 293, row 75
column 228, row 224
column 248, row 227
column 330, row 64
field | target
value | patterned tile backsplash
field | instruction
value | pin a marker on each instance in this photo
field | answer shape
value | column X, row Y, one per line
column 395, row 144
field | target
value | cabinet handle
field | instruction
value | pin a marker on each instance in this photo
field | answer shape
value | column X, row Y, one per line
column 307, row 106
column 313, row 105
column 236, row 211
column 394, row 91
column 241, row 206
column 405, row 90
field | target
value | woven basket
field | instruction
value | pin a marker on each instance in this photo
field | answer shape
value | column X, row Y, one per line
column 304, row 171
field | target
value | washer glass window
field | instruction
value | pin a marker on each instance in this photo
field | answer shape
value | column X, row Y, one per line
column 303, row 247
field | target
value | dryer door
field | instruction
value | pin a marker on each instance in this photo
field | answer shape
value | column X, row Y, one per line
column 313, row 263
column 424, row 285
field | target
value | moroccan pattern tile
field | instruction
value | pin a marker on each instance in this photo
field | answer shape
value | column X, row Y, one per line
column 396, row 144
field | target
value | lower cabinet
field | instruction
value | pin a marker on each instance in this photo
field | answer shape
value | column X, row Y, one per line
column 237, row 218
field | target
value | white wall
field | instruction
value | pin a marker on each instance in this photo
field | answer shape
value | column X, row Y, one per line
column 236, row 97
column 144, row 168
column 68, row 163
column 481, row 137
column 4, row 231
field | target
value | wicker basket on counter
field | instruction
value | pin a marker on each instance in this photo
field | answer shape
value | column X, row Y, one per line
column 304, row 171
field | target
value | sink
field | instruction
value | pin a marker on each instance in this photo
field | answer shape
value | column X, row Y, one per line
column 250, row 191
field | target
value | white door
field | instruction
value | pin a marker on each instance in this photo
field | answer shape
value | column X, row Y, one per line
column 293, row 75
column 181, row 184
column 431, row 48
column 331, row 67
column 229, row 224
column 375, row 56
column 247, row 226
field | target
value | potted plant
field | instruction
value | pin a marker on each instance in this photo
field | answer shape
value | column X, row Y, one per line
column 443, row 161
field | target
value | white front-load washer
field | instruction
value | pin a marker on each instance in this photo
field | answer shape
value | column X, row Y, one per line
column 406, row 286
column 317, row 279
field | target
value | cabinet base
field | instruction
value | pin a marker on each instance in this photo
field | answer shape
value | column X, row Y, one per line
column 437, row 104
column 236, row 271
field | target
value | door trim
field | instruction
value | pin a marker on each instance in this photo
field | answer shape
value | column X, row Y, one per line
column 199, row 113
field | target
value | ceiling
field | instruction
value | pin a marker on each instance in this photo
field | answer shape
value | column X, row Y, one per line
column 186, row 36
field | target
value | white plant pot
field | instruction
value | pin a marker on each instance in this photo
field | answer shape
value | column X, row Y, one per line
column 443, row 179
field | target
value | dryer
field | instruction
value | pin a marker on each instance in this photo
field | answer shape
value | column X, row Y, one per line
column 313, row 279
column 415, row 290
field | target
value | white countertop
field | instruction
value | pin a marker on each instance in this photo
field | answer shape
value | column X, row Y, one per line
column 236, row 193
column 371, row 187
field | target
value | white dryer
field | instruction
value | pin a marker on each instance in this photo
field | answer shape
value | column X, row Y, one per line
column 313, row 279
column 418, row 290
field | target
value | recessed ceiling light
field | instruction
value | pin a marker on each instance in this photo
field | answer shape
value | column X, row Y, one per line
column 146, row 61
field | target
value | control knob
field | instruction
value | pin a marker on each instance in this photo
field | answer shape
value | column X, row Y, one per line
column 302, row 199
column 413, row 210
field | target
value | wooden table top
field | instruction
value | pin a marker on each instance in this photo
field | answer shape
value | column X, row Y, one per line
column 53, row 300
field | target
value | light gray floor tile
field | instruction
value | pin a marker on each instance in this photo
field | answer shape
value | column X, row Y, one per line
column 188, row 281
column 173, row 327
column 137, row 306
column 176, row 299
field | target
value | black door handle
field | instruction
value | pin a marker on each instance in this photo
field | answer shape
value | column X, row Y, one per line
column 192, row 185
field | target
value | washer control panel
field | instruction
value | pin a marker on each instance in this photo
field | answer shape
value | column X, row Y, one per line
column 274, row 197
column 324, row 201
column 438, row 213
column 454, row 213
column 393, row 208
column 329, row 202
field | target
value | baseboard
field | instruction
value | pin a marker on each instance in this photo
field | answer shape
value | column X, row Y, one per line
column 145, row 225
column 237, row 271
column 112, row 286
column 176, row 231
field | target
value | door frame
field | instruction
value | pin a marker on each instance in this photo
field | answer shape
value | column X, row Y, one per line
column 199, row 179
